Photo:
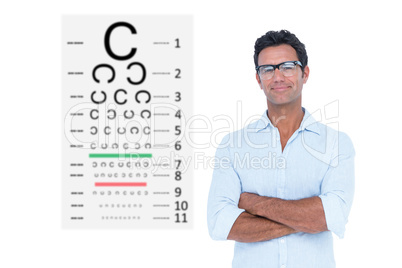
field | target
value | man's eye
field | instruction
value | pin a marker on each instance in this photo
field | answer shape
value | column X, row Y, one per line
column 267, row 70
column 288, row 67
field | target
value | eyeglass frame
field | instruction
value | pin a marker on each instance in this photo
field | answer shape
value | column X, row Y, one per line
column 296, row 62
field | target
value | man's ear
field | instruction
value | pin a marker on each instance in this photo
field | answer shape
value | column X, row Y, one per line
column 306, row 74
column 258, row 79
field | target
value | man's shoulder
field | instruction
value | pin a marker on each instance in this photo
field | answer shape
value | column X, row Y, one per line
column 332, row 131
column 335, row 141
column 235, row 137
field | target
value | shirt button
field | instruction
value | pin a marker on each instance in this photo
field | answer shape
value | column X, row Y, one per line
column 283, row 266
column 282, row 240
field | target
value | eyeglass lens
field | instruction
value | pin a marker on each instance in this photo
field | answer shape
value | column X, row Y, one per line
column 286, row 68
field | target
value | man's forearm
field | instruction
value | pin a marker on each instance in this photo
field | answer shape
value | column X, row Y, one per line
column 250, row 228
column 304, row 215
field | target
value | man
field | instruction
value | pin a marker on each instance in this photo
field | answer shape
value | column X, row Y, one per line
column 282, row 185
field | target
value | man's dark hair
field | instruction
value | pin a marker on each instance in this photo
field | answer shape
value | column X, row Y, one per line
column 274, row 38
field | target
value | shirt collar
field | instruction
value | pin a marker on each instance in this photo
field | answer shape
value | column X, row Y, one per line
column 308, row 123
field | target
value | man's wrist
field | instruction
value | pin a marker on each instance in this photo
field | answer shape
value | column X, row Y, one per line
column 261, row 208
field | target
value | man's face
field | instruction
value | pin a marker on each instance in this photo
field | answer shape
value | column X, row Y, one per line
column 280, row 89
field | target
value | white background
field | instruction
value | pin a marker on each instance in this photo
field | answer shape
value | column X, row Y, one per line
column 354, row 50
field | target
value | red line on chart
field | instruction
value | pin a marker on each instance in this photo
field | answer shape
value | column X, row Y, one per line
column 127, row 184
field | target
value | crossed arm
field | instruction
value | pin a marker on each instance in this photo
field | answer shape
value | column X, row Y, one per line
column 267, row 218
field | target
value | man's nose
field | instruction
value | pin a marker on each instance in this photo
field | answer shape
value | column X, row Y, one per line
column 278, row 76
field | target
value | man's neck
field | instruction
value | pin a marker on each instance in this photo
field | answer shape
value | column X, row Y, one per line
column 287, row 118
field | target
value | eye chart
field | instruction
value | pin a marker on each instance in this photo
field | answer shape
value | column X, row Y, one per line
column 127, row 91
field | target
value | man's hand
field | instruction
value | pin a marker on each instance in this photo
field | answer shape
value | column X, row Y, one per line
column 250, row 202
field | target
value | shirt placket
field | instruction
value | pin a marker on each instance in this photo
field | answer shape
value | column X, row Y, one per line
column 281, row 192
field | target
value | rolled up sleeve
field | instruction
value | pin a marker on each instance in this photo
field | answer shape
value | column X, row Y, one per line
column 224, row 196
column 337, row 188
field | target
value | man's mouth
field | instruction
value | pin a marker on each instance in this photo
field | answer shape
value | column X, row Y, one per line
column 280, row 88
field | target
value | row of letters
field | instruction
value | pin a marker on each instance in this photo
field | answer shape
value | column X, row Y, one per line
column 122, row 175
column 120, row 192
column 144, row 164
column 125, row 145
column 112, row 114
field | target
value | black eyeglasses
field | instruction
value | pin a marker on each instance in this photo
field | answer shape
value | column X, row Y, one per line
column 287, row 68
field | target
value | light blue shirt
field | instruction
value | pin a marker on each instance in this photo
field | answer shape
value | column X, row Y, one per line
column 316, row 161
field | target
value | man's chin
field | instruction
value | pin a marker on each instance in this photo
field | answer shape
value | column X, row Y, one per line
column 282, row 101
